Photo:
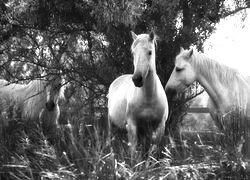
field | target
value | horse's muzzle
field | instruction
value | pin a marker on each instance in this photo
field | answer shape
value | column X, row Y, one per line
column 50, row 105
column 138, row 81
column 171, row 93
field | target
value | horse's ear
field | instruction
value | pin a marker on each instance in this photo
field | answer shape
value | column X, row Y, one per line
column 151, row 36
column 190, row 53
column 134, row 36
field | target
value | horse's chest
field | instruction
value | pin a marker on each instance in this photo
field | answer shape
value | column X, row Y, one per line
column 147, row 119
column 148, row 113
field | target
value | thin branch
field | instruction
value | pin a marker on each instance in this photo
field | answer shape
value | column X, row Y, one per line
column 188, row 99
column 234, row 11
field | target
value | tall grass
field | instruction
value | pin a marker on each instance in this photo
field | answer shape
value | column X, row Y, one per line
column 79, row 150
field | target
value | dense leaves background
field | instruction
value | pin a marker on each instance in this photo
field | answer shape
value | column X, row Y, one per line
column 89, row 41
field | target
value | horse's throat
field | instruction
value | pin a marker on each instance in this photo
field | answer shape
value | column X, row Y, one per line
column 149, row 87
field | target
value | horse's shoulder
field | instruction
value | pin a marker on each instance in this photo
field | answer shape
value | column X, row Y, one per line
column 121, row 80
column 161, row 91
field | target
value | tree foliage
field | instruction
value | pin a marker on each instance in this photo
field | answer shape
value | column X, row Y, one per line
column 88, row 41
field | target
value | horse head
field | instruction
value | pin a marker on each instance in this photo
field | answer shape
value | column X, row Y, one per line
column 54, row 91
column 183, row 73
column 143, row 50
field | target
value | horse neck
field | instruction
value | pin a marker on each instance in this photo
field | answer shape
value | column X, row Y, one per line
column 149, row 87
column 222, row 96
column 36, row 94
column 215, row 91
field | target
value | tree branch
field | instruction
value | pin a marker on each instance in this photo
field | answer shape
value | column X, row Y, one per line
column 234, row 11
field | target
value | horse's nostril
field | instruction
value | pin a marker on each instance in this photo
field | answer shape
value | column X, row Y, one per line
column 140, row 78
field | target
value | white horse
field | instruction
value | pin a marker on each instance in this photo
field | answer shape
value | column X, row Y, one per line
column 31, row 100
column 137, row 102
column 228, row 90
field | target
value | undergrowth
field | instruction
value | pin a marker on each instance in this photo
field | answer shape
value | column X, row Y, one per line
column 82, row 152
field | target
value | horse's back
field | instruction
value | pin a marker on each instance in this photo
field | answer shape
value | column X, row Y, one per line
column 18, row 95
column 3, row 83
column 117, row 99
column 121, row 81
column 11, row 88
column 6, row 95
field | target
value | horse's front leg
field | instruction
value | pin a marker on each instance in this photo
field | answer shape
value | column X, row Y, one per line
column 132, row 134
column 159, row 132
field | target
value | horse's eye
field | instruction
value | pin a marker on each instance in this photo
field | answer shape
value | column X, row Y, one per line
column 177, row 69
column 149, row 53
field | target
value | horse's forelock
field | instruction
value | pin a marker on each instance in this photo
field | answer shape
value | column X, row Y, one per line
column 61, row 83
column 144, row 38
column 61, row 93
column 151, row 36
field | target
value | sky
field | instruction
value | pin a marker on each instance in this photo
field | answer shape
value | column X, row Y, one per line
column 230, row 43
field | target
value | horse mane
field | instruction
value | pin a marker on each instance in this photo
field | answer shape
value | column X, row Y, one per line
column 229, row 77
column 27, row 96
column 30, row 97
column 36, row 89
column 62, row 91
column 208, row 67
column 30, row 90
